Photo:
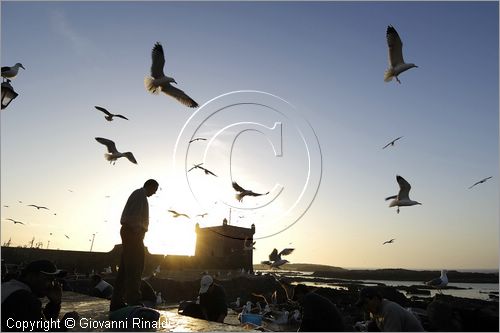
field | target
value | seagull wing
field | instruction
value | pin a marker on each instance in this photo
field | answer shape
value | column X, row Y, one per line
column 404, row 188
column 253, row 194
column 158, row 61
column 434, row 282
column 120, row 116
column 103, row 110
column 179, row 95
column 387, row 145
column 173, row 212
column 391, row 197
column 238, row 187
column 286, row 251
column 130, row 157
column 6, row 68
column 109, row 144
column 274, row 255
column 395, row 47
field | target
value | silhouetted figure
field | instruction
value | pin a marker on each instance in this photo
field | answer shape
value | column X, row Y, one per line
column 21, row 298
column 319, row 314
column 135, row 222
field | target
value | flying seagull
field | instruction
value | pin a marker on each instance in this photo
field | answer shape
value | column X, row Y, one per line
column 11, row 72
column 403, row 198
column 66, row 236
column 439, row 282
column 389, row 241
column 243, row 192
column 396, row 62
column 160, row 82
column 202, row 215
column 391, row 143
column 197, row 139
column 175, row 214
column 114, row 154
column 109, row 116
column 480, row 182
column 38, row 207
column 15, row 222
column 275, row 257
column 198, row 166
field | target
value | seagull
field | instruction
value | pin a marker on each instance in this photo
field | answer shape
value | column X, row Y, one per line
column 396, row 62
column 248, row 245
column 109, row 116
column 15, row 222
column 197, row 139
column 198, row 166
column 114, row 154
column 403, row 198
column 160, row 82
column 480, row 182
column 243, row 192
column 439, row 282
column 391, row 143
column 39, row 207
column 66, row 236
column 389, row 241
column 178, row 214
column 202, row 215
column 11, row 72
column 275, row 259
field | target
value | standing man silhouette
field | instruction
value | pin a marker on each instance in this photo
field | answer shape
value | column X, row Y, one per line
column 135, row 222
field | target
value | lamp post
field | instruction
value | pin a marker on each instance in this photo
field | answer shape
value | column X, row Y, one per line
column 8, row 94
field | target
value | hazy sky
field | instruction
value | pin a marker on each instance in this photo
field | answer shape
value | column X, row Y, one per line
column 325, row 61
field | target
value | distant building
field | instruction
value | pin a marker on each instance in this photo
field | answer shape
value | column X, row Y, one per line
column 223, row 247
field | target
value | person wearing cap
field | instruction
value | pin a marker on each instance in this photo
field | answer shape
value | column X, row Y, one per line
column 21, row 296
column 388, row 316
column 135, row 222
column 319, row 314
column 212, row 300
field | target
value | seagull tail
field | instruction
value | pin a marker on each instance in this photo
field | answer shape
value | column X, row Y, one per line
column 109, row 157
column 148, row 83
column 388, row 75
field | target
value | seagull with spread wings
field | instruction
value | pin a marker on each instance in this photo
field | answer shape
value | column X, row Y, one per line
column 197, row 139
column 480, row 182
column 39, row 207
column 108, row 115
column 202, row 215
column 403, row 197
column 389, row 241
column 391, row 143
column 396, row 63
column 15, row 222
column 113, row 154
column 158, row 81
column 243, row 192
column 176, row 214
column 10, row 72
column 198, row 166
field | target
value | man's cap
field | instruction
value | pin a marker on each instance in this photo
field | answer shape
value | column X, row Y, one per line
column 206, row 282
column 367, row 292
column 299, row 289
column 43, row 266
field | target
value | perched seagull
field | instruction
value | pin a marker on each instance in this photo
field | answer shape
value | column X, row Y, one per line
column 11, row 72
column 439, row 282
column 39, row 207
column 243, row 192
column 160, row 82
column 403, row 198
column 15, row 222
column 175, row 214
column 202, row 215
column 109, row 116
column 389, row 241
column 396, row 62
column 480, row 182
column 197, row 139
column 114, row 154
column 391, row 143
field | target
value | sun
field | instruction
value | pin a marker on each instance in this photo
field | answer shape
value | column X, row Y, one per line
column 171, row 238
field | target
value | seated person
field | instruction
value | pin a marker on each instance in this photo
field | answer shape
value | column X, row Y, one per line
column 100, row 288
column 20, row 297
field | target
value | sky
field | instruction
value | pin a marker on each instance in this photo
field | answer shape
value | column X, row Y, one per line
column 315, row 70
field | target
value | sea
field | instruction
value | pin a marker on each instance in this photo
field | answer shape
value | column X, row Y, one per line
column 483, row 291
